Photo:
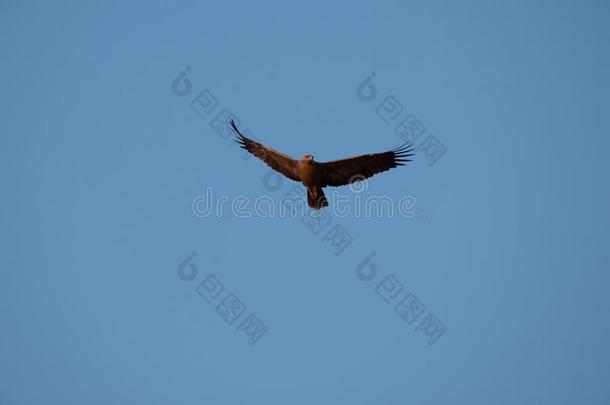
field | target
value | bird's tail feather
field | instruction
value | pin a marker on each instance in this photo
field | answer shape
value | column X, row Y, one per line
column 316, row 198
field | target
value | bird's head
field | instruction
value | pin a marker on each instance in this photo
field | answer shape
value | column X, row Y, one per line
column 308, row 157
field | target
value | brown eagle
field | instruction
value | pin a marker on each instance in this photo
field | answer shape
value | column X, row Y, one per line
column 315, row 175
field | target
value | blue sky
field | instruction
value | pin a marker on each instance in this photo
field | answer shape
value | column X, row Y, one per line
column 101, row 162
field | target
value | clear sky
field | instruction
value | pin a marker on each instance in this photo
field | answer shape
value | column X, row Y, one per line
column 494, row 292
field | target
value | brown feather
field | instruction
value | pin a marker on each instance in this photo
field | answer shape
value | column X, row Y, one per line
column 278, row 161
column 346, row 171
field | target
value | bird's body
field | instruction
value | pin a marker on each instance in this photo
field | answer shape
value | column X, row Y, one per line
column 310, row 173
column 307, row 169
column 315, row 175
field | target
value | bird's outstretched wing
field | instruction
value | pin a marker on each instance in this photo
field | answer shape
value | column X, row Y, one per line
column 276, row 160
column 357, row 168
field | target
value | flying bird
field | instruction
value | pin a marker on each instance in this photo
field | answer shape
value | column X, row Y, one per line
column 315, row 175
